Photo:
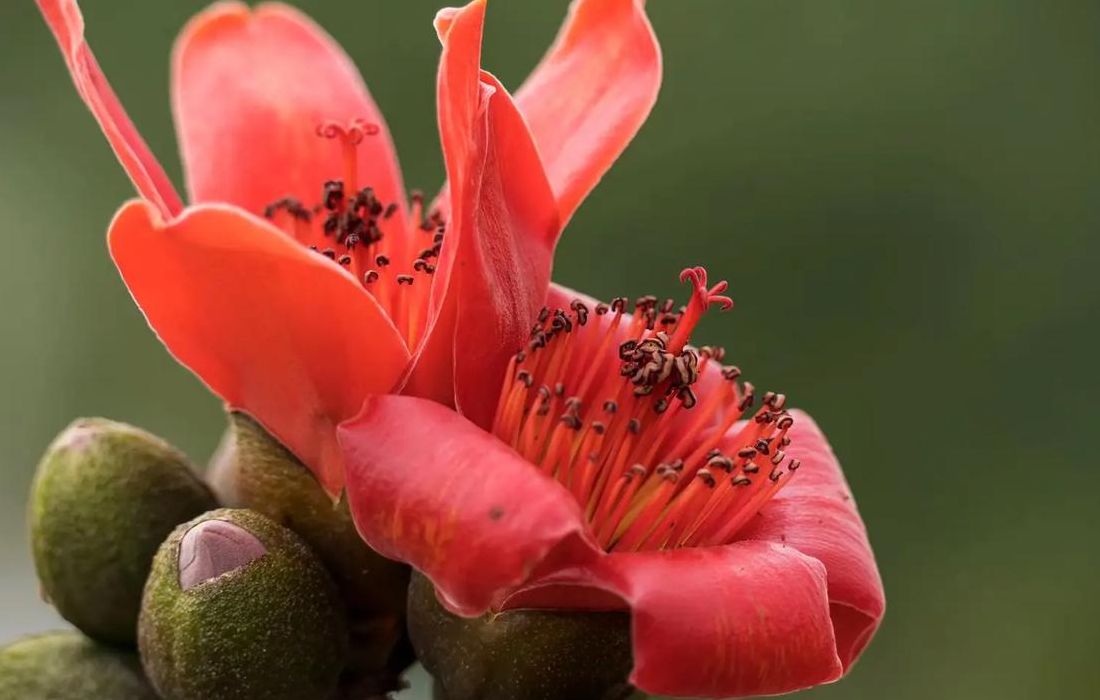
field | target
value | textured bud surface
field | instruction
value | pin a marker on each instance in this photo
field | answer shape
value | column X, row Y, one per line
column 262, row 475
column 529, row 654
column 64, row 665
column 105, row 496
column 238, row 608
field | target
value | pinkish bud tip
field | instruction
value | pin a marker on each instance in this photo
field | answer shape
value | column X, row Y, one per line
column 213, row 548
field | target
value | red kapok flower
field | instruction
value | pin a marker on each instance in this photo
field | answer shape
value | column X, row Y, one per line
column 300, row 281
column 627, row 469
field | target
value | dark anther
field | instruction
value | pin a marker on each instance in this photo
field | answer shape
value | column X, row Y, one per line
column 331, row 225
column 794, row 465
column 746, row 453
column 571, row 421
column 645, row 303
column 404, row 279
column 618, row 304
column 329, row 253
column 731, row 373
column 581, row 310
column 785, row 422
column 748, row 399
column 634, row 426
column 722, row 462
column 381, row 261
column 333, row 195
column 525, row 377
column 390, row 210
column 602, row 309
column 751, row 468
column 778, row 457
column 776, row 473
column 741, row 481
column 291, row 206
column 544, row 314
column 610, row 406
column 370, row 276
column 706, row 477
column 687, row 397
column 344, row 260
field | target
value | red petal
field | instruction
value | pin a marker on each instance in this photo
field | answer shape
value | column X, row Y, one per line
column 750, row 618
column 272, row 328
column 140, row 164
column 249, row 89
column 815, row 514
column 591, row 94
column 430, row 488
column 495, row 265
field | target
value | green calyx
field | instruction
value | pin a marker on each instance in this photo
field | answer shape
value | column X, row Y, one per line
column 105, row 496
column 69, row 666
column 253, row 470
column 529, row 654
column 263, row 621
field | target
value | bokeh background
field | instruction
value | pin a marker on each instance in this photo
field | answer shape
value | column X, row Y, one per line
column 904, row 195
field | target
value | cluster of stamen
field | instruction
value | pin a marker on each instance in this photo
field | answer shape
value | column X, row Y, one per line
column 354, row 228
column 612, row 407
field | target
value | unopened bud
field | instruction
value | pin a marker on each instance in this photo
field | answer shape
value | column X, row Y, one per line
column 529, row 654
column 69, row 665
column 253, row 470
column 105, row 496
column 238, row 608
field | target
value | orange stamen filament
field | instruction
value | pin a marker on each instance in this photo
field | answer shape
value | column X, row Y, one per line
column 357, row 231
column 608, row 409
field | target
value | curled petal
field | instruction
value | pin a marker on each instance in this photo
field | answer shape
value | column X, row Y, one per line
column 591, row 94
column 275, row 330
column 503, row 224
column 67, row 24
column 249, row 90
column 750, row 618
column 816, row 514
column 430, row 488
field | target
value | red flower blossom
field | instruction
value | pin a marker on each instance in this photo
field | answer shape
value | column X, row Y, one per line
column 300, row 280
column 627, row 469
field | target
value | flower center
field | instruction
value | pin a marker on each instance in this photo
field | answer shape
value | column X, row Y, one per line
column 356, row 230
column 653, row 437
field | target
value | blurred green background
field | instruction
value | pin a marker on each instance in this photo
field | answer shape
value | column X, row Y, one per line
column 905, row 197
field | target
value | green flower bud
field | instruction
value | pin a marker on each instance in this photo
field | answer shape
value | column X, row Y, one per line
column 105, row 496
column 253, row 470
column 529, row 654
column 238, row 608
column 69, row 666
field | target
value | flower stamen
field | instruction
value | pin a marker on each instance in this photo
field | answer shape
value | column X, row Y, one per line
column 607, row 401
column 349, row 226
